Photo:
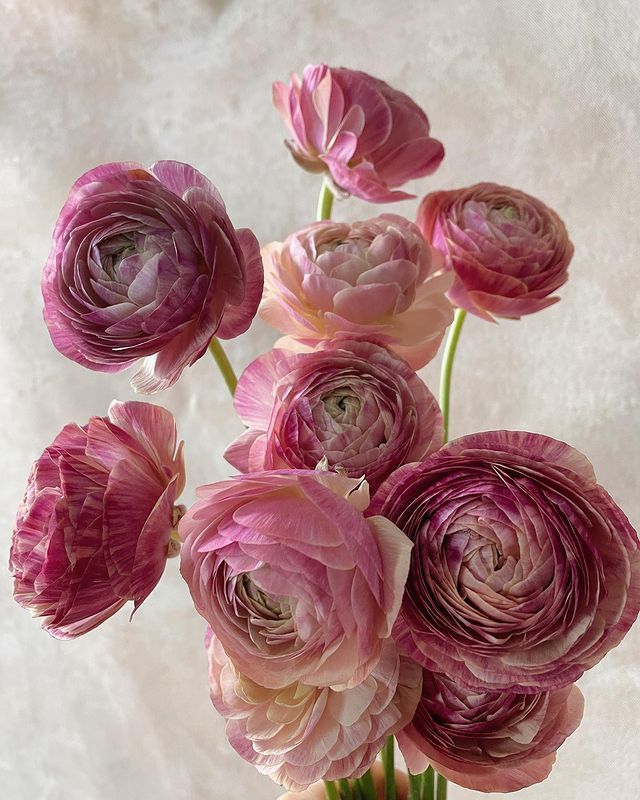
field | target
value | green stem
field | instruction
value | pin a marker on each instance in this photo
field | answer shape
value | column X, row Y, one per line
column 428, row 785
column 367, row 785
column 415, row 787
column 389, row 770
column 224, row 365
column 441, row 788
column 447, row 366
column 325, row 201
column 345, row 789
column 331, row 791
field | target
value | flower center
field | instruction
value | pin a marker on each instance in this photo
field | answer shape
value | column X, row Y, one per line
column 342, row 405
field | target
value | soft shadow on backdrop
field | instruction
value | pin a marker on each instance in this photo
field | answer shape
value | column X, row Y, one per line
column 540, row 95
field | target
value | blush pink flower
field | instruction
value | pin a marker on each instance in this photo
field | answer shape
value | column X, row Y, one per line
column 294, row 582
column 366, row 135
column 376, row 279
column 299, row 734
column 524, row 572
column 146, row 264
column 354, row 403
column 509, row 251
column 95, row 527
column 488, row 741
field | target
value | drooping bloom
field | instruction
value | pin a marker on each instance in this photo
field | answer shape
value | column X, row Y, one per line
column 509, row 251
column 145, row 263
column 524, row 572
column 489, row 741
column 299, row 734
column 354, row 403
column 376, row 279
column 95, row 527
column 294, row 582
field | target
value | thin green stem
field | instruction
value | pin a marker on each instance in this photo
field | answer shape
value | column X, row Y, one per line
column 345, row 789
column 224, row 365
column 428, row 784
column 331, row 791
column 441, row 787
column 389, row 770
column 415, row 786
column 447, row 366
column 325, row 201
column 367, row 785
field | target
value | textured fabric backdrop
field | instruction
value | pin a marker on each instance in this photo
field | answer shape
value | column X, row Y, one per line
column 540, row 95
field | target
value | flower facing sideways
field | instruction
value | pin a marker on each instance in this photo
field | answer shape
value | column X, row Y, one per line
column 95, row 527
column 376, row 280
column 354, row 403
column 299, row 734
column 296, row 585
column 145, row 263
column 489, row 741
column 368, row 136
column 524, row 571
column 508, row 251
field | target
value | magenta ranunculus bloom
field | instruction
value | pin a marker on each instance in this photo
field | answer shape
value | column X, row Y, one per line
column 375, row 280
column 508, row 250
column 488, row 741
column 294, row 582
column 145, row 263
column 95, row 527
column 524, row 571
column 366, row 135
column 354, row 403
column 299, row 734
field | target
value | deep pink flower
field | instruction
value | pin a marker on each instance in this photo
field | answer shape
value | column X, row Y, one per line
column 375, row 280
column 488, row 741
column 295, row 583
column 95, row 527
column 299, row 734
column 368, row 136
column 524, row 572
column 146, row 264
column 354, row 403
column 509, row 251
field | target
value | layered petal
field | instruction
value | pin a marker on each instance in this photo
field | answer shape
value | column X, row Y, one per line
column 94, row 529
column 294, row 582
column 145, row 264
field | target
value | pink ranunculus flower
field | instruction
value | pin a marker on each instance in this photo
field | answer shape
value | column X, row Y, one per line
column 354, row 403
column 376, row 279
column 98, row 519
column 369, row 137
column 294, row 582
column 488, row 741
column 524, row 571
column 299, row 734
column 509, row 251
column 145, row 263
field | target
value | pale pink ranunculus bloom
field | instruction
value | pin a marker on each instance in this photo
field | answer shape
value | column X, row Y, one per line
column 97, row 521
column 376, row 279
column 488, row 741
column 354, row 403
column 294, row 582
column 368, row 136
column 524, row 572
column 299, row 734
column 508, row 251
column 145, row 264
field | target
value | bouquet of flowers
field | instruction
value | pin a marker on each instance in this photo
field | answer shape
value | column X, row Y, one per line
column 363, row 581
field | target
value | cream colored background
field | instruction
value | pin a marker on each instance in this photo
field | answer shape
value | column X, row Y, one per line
column 540, row 95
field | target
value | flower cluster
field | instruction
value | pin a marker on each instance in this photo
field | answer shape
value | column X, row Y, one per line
column 457, row 606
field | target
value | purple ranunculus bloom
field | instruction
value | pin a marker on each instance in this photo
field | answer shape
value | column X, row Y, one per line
column 145, row 263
